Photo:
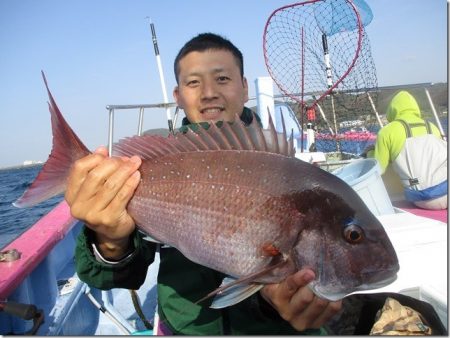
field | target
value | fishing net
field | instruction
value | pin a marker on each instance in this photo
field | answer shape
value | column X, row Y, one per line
column 318, row 54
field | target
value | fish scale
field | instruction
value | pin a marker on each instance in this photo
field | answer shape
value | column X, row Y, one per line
column 209, row 216
column 234, row 198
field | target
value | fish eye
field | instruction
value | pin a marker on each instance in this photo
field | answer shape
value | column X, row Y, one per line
column 353, row 234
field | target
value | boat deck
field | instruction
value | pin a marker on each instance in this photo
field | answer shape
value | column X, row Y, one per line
column 44, row 276
column 421, row 246
column 439, row 215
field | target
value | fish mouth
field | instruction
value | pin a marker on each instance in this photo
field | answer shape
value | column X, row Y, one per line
column 378, row 284
column 334, row 295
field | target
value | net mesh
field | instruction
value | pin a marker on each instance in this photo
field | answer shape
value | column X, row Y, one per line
column 318, row 54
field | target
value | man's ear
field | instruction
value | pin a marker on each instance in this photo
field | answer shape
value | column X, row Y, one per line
column 245, row 84
column 176, row 96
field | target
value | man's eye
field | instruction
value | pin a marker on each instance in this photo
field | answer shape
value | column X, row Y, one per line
column 192, row 83
column 223, row 79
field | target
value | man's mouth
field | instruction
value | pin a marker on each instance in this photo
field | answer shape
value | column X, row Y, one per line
column 212, row 112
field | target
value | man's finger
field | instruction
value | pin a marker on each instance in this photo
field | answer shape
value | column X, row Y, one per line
column 316, row 313
column 281, row 293
column 102, row 150
column 123, row 196
column 95, row 179
column 116, row 184
column 296, row 281
column 79, row 172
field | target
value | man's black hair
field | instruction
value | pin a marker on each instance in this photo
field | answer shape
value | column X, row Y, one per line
column 208, row 41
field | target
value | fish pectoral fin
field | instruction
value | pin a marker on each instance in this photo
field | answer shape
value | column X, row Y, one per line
column 234, row 294
column 150, row 238
column 245, row 281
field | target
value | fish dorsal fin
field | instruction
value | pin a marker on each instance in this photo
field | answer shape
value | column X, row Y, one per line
column 220, row 136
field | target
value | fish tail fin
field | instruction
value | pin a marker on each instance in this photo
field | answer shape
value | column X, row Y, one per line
column 66, row 149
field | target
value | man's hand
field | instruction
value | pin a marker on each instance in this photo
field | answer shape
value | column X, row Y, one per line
column 297, row 304
column 98, row 190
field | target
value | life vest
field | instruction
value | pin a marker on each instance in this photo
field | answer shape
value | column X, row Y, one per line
column 422, row 164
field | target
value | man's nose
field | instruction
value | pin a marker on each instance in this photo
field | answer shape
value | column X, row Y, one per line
column 209, row 90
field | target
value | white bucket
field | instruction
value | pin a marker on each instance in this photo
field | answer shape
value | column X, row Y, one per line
column 364, row 176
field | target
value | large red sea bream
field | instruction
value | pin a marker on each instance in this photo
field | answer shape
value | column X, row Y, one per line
column 235, row 199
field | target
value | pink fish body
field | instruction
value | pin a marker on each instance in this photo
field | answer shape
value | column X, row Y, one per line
column 235, row 199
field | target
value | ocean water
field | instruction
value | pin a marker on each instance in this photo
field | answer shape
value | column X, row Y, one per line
column 14, row 221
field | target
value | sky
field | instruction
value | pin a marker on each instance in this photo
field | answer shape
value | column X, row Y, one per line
column 99, row 52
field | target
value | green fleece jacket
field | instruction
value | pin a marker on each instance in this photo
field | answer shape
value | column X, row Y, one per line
column 181, row 283
column 391, row 138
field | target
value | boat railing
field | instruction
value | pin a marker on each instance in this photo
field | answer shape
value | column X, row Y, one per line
column 142, row 107
column 112, row 108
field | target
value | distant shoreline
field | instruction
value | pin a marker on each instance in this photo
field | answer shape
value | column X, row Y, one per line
column 18, row 166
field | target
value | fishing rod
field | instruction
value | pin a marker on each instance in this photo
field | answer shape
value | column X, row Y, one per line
column 329, row 73
column 161, row 74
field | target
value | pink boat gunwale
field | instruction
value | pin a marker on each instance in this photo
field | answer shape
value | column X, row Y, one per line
column 34, row 245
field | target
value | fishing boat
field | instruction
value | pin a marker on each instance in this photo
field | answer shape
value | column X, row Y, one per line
column 40, row 293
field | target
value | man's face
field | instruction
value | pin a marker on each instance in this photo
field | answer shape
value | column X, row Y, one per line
column 210, row 86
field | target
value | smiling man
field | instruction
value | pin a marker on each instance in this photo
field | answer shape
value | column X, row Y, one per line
column 111, row 253
column 210, row 87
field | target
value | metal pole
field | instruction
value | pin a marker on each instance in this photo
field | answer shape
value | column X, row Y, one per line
column 303, row 106
column 106, row 312
column 327, row 61
column 375, row 110
column 334, row 113
column 161, row 76
column 111, row 131
column 438, row 122
column 324, row 118
column 175, row 117
column 141, row 121
column 326, row 56
column 338, row 143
